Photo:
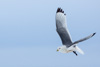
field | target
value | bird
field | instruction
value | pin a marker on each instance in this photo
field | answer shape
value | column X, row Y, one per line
column 62, row 30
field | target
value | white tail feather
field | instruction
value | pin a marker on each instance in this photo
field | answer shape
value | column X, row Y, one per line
column 79, row 50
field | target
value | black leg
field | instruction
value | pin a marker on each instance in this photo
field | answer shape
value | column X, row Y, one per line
column 75, row 53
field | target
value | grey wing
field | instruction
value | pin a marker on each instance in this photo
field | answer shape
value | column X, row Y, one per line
column 64, row 37
column 61, row 28
column 83, row 39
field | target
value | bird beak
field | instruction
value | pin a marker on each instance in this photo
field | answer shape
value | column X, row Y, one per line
column 57, row 50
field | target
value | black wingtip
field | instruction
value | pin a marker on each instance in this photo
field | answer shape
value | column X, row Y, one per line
column 94, row 34
column 60, row 10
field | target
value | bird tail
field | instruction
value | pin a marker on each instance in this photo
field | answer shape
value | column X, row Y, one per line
column 79, row 50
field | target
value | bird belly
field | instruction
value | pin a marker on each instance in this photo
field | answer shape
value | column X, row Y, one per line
column 69, row 51
column 65, row 51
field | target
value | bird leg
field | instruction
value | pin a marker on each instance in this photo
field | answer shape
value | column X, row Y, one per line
column 75, row 53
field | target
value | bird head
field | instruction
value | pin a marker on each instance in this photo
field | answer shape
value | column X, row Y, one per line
column 62, row 49
column 59, row 48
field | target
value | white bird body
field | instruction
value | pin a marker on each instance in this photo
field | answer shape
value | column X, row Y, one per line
column 64, row 49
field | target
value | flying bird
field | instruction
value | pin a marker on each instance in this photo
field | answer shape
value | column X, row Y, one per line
column 62, row 30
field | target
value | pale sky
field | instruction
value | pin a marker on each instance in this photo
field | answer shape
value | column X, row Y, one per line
column 28, row 36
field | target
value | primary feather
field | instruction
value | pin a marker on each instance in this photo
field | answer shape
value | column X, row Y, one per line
column 61, row 28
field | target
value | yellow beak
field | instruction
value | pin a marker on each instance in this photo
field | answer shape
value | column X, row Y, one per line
column 57, row 50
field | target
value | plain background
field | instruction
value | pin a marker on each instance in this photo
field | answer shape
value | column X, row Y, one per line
column 28, row 36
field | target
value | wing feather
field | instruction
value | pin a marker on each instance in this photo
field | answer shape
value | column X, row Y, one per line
column 62, row 29
column 83, row 39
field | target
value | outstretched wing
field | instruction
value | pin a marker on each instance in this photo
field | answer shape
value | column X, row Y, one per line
column 83, row 39
column 61, row 28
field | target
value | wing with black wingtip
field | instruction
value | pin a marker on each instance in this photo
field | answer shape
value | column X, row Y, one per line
column 61, row 28
column 83, row 39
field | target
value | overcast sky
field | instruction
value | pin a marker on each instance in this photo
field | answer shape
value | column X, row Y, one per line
column 28, row 36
